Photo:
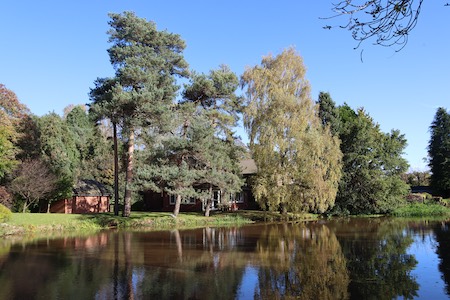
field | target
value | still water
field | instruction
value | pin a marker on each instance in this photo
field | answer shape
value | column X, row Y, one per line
column 345, row 259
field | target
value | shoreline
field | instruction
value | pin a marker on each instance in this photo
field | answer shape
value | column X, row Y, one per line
column 30, row 224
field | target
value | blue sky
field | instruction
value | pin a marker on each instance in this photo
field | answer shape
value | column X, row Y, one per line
column 52, row 51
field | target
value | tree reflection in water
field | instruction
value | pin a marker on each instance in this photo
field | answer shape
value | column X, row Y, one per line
column 301, row 262
column 356, row 259
column 442, row 232
column 377, row 262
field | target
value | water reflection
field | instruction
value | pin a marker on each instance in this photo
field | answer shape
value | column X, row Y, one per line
column 302, row 262
column 442, row 232
column 377, row 261
column 352, row 259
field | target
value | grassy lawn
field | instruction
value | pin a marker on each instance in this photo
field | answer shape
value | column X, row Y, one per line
column 31, row 223
column 422, row 210
column 29, row 219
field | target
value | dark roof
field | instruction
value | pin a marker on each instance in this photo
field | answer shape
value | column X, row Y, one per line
column 248, row 166
column 421, row 189
column 89, row 187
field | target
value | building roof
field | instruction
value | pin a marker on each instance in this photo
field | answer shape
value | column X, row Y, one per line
column 248, row 167
column 89, row 187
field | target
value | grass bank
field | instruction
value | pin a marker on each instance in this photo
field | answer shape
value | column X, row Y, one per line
column 422, row 210
column 28, row 223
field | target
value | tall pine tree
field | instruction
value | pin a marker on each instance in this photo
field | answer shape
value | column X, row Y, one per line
column 146, row 62
column 439, row 152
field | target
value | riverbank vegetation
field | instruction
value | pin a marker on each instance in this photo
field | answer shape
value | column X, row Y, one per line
column 422, row 210
column 35, row 224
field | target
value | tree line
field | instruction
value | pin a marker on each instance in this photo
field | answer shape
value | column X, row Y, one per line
column 143, row 131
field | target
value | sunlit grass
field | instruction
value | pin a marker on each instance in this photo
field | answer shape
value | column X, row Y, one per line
column 24, row 223
column 42, row 219
column 422, row 210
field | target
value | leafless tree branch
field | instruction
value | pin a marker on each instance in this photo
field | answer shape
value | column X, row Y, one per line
column 388, row 21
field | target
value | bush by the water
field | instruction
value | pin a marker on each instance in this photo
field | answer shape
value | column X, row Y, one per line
column 5, row 214
column 421, row 210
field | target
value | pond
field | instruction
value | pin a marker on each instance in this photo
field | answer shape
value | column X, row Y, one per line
column 338, row 259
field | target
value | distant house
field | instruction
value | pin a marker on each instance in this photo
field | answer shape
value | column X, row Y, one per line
column 421, row 189
column 89, row 196
column 153, row 201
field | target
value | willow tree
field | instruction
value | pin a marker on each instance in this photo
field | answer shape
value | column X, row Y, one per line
column 146, row 62
column 298, row 160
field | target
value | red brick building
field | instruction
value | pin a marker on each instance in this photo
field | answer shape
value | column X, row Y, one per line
column 89, row 196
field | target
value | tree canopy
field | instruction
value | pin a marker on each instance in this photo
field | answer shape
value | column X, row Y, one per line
column 439, row 152
column 298, row 160
column 372, row 164
column 11, row 113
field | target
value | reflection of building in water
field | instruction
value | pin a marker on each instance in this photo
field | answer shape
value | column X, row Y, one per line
column 208, row 238
column 87, row 243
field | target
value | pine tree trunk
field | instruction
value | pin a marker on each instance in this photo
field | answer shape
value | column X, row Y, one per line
column 176, row 210
column 208, row 202
column 129, row 176
column 116, row 172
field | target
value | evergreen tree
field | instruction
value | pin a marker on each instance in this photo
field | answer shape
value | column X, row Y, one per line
column 170, row 162
column 372, row 165
column 146, row 62
column 328, row 112
column 298, row 160
column 93, row 146
column 439, row 152
column 104, row 105
column 59, row 151
column 214, row 99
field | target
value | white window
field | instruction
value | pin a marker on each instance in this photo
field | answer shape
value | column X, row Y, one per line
column 189, row 200
column 173, row 200
column 237, row 198
column 216, row 196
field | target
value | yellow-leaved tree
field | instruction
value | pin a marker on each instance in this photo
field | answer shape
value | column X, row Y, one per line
column 298, row 160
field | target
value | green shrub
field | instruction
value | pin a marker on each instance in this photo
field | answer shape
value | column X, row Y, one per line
column 5, row 214
column 428, row 196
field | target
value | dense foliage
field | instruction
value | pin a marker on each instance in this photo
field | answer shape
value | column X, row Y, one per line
column 439, row 152
column 11, row 111
column 298, row 160
column 372, row 163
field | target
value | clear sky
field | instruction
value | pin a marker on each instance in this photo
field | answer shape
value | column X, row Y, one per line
column 52, row 51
